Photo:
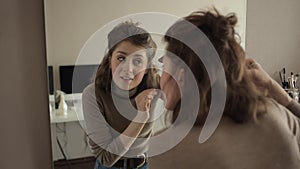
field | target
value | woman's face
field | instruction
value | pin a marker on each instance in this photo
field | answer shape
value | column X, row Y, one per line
column 128, row 65
column 168, row 83
column 167, row 70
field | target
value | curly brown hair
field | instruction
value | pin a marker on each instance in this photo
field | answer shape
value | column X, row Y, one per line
column 242, row 98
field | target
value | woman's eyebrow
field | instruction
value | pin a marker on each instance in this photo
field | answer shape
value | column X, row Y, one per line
column 134, row 54
column 122, row 52
column 137, row 55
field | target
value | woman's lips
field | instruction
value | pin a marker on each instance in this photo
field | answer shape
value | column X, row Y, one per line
column 126, row 79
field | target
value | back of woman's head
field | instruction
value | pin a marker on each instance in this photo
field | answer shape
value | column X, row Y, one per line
column 129, row 32
column 242, row 97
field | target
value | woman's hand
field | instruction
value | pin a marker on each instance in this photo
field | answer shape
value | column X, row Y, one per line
column 143, row 99
column 259, row 76
column 264, row 82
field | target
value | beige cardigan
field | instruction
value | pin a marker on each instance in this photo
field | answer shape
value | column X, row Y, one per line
column 272, row 143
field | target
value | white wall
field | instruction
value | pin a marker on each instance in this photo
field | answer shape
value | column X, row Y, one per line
column 69, row 23
column 273, row 34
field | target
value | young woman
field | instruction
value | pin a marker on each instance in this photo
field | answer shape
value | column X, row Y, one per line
column 117, row 107
column 255, row 131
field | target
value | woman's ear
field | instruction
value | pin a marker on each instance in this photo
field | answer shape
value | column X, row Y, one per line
column 181, row 74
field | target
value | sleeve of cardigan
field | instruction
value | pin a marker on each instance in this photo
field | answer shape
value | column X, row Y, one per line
column 294, row 107
column 106, row 149
column 290, row 115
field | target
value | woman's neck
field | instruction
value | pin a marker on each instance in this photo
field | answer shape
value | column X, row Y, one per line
column 122, row 93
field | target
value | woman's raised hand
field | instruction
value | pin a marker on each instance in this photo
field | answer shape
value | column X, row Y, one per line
column 143, row 99
column 264, row 82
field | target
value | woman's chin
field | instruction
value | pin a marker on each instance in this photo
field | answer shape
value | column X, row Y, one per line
column 124, row 86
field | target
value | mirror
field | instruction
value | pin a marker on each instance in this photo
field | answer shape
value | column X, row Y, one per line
column 69, row 24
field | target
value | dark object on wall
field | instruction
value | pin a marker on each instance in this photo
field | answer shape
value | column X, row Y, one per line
column 50, row 80
column 74, row 78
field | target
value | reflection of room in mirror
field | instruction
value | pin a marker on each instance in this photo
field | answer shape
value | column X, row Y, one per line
column 68, row 29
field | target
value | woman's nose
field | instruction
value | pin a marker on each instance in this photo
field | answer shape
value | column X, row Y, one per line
column 128, row 66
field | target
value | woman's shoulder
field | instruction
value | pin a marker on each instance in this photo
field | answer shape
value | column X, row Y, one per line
column 88, row 91
column 277, row 113
column 90, row 94
column 90, row 88
column 273, row 108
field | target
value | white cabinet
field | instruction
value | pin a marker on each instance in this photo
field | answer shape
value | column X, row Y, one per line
column 68, row 129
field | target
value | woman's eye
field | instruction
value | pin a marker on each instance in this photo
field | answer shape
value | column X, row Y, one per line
column 121, row 58
column 137, row 62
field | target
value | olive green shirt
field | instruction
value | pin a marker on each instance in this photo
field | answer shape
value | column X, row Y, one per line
column 107, row 119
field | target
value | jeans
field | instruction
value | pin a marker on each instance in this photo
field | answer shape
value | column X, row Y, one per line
column 98, row 165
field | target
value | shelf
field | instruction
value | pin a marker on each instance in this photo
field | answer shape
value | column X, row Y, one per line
column 72, row 116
